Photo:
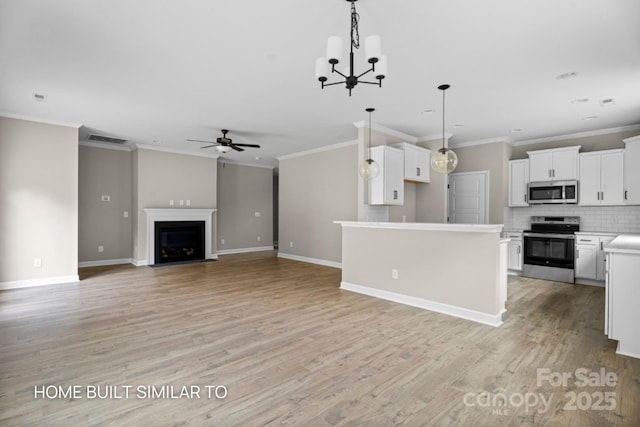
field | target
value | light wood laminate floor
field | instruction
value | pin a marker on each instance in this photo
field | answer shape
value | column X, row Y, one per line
column 291, row 348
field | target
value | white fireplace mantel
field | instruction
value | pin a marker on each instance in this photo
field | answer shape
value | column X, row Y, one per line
column 163, row 214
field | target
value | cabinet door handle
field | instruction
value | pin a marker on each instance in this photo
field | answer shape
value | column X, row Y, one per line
column 518, row 252
column 601, row 246
column 549, row 173
column 625, row 195
column 585, row 240
column 577, row 253
column 395, row 194
column 417, row 171
column 525, row 197
column 602, row 195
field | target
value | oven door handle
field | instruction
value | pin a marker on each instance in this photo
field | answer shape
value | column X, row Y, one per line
column 551, row 235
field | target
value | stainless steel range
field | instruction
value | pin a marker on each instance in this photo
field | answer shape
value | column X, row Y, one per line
column 549, row 248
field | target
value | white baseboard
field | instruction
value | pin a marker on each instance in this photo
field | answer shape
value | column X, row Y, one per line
column 143, row 262
column 310, row 260
column 18, row 284
column 245, row 250
column 588, row 282
column 463, row 313
column 105, row 262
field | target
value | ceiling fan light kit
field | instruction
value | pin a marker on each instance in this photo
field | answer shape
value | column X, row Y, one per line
column 373, row 53
column 445, row 160
column 224, row 144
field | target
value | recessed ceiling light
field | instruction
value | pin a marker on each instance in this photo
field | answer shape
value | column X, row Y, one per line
column 580, row 101
column 428, row 111
column 608, row 102
column 590, row 118
column 516, row 130
column 40, row 97
column 458, row 125
column 258, row 158
column 156, row 141
column 569, row 75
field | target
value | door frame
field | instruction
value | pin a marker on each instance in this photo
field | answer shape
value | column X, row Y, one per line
column 487, row 180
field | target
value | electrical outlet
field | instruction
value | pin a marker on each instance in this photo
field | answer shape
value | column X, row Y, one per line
column 257, row 214
column 222, row 241
column 37, row 262
column 181, row 202
column 100, row 248
column 171, row 202
column 188, row 202
column 404, row 218
column 258, row 238
column 394, row 273
column 290, row 244
column 125, row 214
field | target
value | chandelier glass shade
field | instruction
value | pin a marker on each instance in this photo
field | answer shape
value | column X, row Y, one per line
column 445, row 160
column 373, row 51
column 223, row 148
column 369, row 169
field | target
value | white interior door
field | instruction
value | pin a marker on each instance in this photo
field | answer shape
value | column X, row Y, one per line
column 468, row 198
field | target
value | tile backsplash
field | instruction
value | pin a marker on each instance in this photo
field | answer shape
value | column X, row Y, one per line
column 613, row 219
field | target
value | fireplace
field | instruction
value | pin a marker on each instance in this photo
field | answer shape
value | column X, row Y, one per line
column 175, row 236
column 179, row 241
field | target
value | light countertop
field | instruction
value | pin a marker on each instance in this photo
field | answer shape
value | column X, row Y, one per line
column 598, row 233
column 465, row 228
column 625, row 243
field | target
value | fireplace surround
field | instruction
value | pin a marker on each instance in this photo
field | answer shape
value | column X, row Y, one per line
column 161, row 215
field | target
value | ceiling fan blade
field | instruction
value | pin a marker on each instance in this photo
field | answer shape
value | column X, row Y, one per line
column 235, row 147
column 209, row 146
column 247, row 145
column 199, row 140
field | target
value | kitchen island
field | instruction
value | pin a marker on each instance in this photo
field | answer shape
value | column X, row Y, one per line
column 455, row 269
column 622, row 296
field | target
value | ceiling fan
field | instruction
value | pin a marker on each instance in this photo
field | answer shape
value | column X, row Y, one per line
column 224, row 144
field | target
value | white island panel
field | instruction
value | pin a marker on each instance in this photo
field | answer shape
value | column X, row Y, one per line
column 455, row 269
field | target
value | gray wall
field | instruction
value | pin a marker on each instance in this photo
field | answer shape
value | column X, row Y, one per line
column 431, row 198
column 315, row 190
column 494, row 158
column 39, row 193
column 243, row 191
column 159, row 177
column 104, row 172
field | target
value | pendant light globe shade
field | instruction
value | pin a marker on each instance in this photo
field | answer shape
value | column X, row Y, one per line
column 369, row 169
column 444, row 161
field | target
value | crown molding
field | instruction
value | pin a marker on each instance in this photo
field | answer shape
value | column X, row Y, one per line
column 319, row 149
column 381, row 128
column 435, row 137
column 578, row 135
column 40, row 120
column 504, row 139
column 175, row 151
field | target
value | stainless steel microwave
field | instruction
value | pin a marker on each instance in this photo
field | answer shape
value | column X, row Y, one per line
column 552, row 192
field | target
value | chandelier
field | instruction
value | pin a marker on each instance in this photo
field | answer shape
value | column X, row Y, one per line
column 348, row 76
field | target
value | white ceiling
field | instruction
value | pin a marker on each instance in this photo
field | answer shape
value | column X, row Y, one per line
column 167, row 70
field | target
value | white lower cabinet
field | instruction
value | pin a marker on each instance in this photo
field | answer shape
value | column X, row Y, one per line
column 622, row 317
column 514, row 251
column 590, row 256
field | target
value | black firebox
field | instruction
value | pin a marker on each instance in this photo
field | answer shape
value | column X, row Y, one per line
column 179, row 241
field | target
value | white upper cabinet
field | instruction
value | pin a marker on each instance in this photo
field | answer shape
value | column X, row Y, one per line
column 601, row 178
column 388, row 187
column 558, row 164
column 632, row 171
column 417, row 162
column 518, row 182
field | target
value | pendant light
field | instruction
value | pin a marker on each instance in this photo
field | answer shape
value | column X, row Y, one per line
column 369, row 168
column 445, row 160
